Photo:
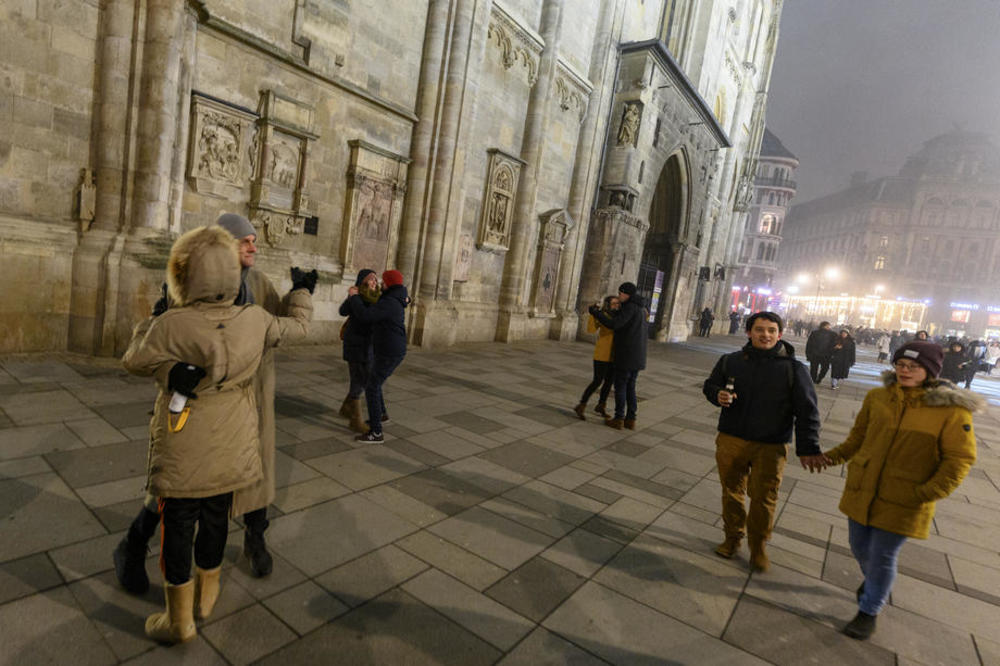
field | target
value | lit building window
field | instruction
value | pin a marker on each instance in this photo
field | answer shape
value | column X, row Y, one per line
column 767, row 224
column 880, row 263
column 883, row 242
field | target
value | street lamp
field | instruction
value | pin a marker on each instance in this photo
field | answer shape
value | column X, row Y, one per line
column 831, row 273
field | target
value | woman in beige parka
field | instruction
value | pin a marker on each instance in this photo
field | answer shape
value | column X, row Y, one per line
column 911, row 445
column 209, row 350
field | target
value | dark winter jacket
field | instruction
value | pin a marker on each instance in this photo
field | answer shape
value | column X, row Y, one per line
column 842, row 359
column 386, row 318
column 773, row 390
column 954, row 366
column 357, row 334
column 631, row 333
column 820, row 344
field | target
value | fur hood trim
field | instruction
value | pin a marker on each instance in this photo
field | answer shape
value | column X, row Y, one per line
column 942, row 393
column 204, row 265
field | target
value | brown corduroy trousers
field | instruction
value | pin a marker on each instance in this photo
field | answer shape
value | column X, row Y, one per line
column 749, row 466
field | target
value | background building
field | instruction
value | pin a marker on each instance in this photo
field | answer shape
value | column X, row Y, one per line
column 516, row 160
column 774, row 187
column 929, row 234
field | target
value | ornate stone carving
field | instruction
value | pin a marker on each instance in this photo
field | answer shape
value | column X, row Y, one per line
column 572, row 90
column 86, row 199
column 375, row 187
column 621, row 196
column 552, row 229
column 498, row 202
column 515, row 42
column 463, row 262
column 221, row 158
column 628, row 130
column 278, row 152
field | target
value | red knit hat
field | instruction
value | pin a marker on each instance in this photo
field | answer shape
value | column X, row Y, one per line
column 392, row 278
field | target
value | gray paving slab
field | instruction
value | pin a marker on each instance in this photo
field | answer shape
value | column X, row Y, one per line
column 98, row 464
column 544, row 648
column 37, row 440
column 370, row 575
column 535, row 588
column 26, row 576
column 248, row 635
column 305, row 607
column 526, row 459
column 492, row 537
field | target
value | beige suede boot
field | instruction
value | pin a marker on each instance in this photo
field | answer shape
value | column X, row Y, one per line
column 357, row 421
column 206, row 591
column 176, row 623
column 345, row 408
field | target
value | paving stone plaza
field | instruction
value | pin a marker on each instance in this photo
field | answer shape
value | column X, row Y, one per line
column 492, row 526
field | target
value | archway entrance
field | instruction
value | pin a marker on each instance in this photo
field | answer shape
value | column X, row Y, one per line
column 666, row 218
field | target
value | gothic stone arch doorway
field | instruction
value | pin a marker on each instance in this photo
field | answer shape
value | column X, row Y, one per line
column 658, row 266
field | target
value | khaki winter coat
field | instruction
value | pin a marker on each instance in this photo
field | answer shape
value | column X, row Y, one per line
column 218, row 448
column 908, row 448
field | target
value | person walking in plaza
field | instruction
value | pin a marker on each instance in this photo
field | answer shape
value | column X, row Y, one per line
column 204, row 434
column 882, row 346
column 629, row 349
column 387, row 320
column 842, row 358
column 604, row 369
column 255, row 288
column 357, row 349
column 911, row 445
column 819, row 349
column 734, row 322
column 764, row 393
column 705, row 323
column 954, row 362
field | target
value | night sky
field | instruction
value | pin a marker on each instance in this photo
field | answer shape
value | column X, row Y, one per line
column 858, row 85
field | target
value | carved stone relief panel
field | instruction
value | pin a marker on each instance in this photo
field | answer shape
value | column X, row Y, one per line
column 222, row 136
column 628, row 130
column 552, row 230
column 572, row 90
column 463, row 262
column 515, row 43
column 279, row 201
column 376, row 183
column 498, row 203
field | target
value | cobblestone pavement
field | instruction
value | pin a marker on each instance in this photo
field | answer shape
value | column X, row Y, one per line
column 491, row 527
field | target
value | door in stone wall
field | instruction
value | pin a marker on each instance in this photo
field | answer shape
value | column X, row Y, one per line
column 666, row 215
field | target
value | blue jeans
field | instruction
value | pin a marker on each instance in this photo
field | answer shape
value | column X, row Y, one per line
column 625, row 393
column 876, row 552
column 381, row 368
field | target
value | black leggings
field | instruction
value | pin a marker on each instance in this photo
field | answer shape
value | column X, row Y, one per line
column 604, row 376
column 179, row 517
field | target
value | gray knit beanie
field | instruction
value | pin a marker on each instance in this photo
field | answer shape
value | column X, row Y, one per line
column 237, row 225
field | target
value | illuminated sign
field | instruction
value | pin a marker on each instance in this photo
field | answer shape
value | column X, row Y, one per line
column 960, row 316
column 965, row 306
column 993, row 320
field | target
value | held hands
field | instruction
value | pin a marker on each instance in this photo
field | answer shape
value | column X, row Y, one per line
column 184, row 377
column 725, row 398
column 816, row 463
column 304, row 279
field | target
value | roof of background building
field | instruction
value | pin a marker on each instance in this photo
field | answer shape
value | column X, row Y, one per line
column 771, row 146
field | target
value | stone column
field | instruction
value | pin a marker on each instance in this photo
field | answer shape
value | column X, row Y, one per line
column 586, row 170
column 437, row 34
column 524, row 224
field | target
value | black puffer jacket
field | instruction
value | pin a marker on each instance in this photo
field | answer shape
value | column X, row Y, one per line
column 631, row 333
column 386, row 318
column 772, row 390
column 358, row 334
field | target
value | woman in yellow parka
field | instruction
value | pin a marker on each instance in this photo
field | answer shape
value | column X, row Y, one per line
column 604, row 368
column 912, row 444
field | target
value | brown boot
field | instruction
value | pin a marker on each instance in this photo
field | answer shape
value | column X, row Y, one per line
column 579, row 409
column 206, row 591
column 345, row 408
column 601, row 409
column 630, row 424
column 176, row 623
column 729, row 547
column 617, row 424
column 357, row 421
column 758, row 556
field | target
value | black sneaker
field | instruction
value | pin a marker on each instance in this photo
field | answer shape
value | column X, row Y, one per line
column 370, row 436
column 255, row 550
column 861, row 627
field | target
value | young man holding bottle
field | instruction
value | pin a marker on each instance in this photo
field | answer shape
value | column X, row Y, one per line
column 764, row 393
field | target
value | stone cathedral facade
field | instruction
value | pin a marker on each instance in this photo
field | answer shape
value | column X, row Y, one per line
column 515, row 159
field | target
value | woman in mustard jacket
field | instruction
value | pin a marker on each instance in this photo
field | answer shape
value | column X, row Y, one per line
column 911, row 445
column 604, row 368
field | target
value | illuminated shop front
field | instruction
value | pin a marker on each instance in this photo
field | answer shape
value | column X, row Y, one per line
column 973, row 320
column 871, row 311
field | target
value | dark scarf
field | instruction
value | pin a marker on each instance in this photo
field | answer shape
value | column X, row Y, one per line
column 245, row 297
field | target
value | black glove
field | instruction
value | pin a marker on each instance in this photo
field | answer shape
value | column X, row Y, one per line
column 184, row 377
column 593, row 309
column 161, row 305
column 304, row 279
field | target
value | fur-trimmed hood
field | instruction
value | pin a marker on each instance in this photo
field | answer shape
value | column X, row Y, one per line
column 204, row 265
column 942, row 393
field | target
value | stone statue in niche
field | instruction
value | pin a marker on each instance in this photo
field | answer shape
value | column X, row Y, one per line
column 497, row 207
column 375, row 200
column 498, row 213
column 628, row 132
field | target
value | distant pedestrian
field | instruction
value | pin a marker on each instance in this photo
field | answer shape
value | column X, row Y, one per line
column 954, row 363
column 921, row 336
column 629, row 347
column 882, row 345
column 604, row 369
column 705, row 321
column 387, row 319
column 764, row 392
column 842, row 358
column 819, row 349
column 911, row 445
column 734, row 322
